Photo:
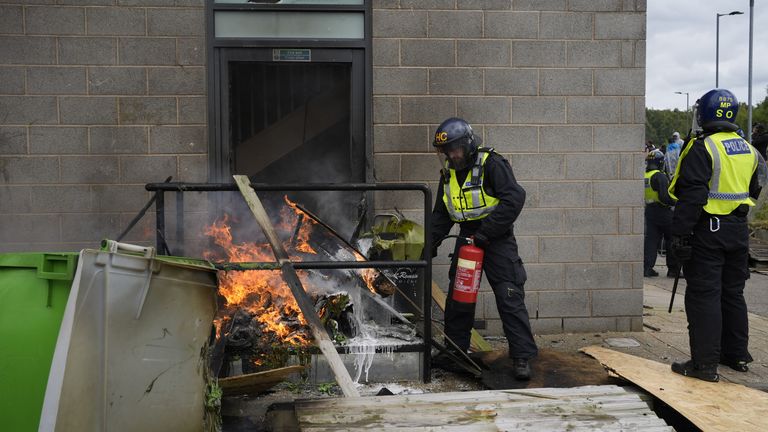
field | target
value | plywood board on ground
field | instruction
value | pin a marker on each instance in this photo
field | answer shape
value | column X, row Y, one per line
column 258, row 382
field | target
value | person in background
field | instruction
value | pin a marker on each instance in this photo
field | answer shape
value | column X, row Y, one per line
column 715, row 179
column 478, row 191
column 760, row 139
column 672, row 154
column 649, row 146
column 678, row 140
column 658, row 214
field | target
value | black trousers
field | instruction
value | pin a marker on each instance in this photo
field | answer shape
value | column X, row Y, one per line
column 506, row 274
column 658, row 222
column 714, row 296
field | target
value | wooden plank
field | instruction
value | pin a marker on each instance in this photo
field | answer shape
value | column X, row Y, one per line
column 476, row 341
column 292, row 279
column 718, row 406
column 256, row 382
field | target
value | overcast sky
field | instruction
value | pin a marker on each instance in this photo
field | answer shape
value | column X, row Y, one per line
column 680, row 53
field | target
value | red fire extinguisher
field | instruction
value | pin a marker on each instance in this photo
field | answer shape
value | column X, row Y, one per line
column 469, row 268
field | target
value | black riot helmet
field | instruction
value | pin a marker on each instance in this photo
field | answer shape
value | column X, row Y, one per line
column 455, row 139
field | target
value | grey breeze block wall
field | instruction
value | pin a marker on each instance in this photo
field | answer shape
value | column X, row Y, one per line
column 557, row 86
column 97, row 98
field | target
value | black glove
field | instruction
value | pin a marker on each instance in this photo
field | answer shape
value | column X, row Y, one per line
column 680, row 248
column 480, row 240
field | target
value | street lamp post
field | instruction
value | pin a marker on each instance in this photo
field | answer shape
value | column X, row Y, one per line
column 717, row 46
column 749, row 84
column 687, row 105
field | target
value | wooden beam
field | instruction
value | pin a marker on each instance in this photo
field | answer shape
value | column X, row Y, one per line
column 292, row 279
column 476, row 342
column 258, row 382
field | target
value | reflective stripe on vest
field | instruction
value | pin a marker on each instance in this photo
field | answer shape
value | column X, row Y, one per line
column 651, row 196
column 472, row 202
column 734, row 161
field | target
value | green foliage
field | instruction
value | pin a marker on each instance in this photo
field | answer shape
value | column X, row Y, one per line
column 326, row 388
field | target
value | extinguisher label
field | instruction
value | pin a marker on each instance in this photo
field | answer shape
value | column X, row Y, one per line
column 466, row 263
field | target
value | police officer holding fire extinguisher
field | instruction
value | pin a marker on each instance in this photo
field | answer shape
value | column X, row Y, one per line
column 478, row 191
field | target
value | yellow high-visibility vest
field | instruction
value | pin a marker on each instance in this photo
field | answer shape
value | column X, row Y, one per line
column 469, row 201
column 734, row 161
column 651, row 196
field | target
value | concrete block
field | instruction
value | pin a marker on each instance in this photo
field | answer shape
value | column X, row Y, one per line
column 511, row 25
column 545, row 277
column 618, row 193
column 628, row 25
column 594, row 53
column 54, row 20
column 119, row 140
column 36, row 169
column 563, row 304
column 386, row 109
column 639, row 54
column 478, row 110
column 117, row 21
column 88, row 110
column 547, row 326
column 386, row 167
column 566, row 139
column 477, row 53
column 596, row 5
column 565, row 194
column 620, row 248
column 429, row 110
column 512, row 82
column 592, row 277
column 60, row 199
column 11, row 20
column 58, row 140
column 592, row 166
column 538, row 110
column 193, row 168
column 538, row 53
column 617, row 302
column 11, row 80
column 627, row 109
column 399, row 23
column 23, row 110
column 427, row 52
column 386, row 52
column 147, row 110
column 564, row 25
column 535, row 221
column 87, row 50
column 637, row 274
column 638, row 220
column 402, row 139
column 591, row 221
column 118, row 198
column 387, row 201
column 589, row 325
column 565, row 249
column 639, row 110
column 192, row 110
column 622, row 138
column 539, row 5
column 385, row 4
column 15, row 199
column 484, row 4
column 566, row 82
column 626, row 271
column 456, row 81
column 190, row 51
column 175, row 22
column 27, row 50
column 620, row 82
column 538, row 166
column 641, row 5
column 531, row 193
column 455, row 24
column 528, row 249
column 147, row 51
column 146, row 169
column 626, row 166
column 625, row 220
column 13, row 140
column 395, row 80
column 117, row 80
column 629, row 5
column 89, row 169
column 510, row 139
column 627, row 53
column 178, row 139
column 177, row 81
column 419, row 167
column 90, row 227
column 46, row 80
column 582, row 109
column 427, row 4
column 28, row 229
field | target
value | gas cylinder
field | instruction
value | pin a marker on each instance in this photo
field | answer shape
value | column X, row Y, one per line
column 469, row 268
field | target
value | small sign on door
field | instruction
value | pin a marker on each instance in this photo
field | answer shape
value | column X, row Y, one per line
column 295, row 54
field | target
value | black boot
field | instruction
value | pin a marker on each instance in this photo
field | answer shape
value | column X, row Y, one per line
column 737, row 365
column 522, row 369
column 703, row 372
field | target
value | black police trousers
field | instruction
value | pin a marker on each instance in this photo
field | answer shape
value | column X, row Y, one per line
column 714, row 297
column 658, row 222
column 506, row 275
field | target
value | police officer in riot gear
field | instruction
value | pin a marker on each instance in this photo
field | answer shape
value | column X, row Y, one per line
column 478, row 191
column 658, row 214
column 714, row 184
